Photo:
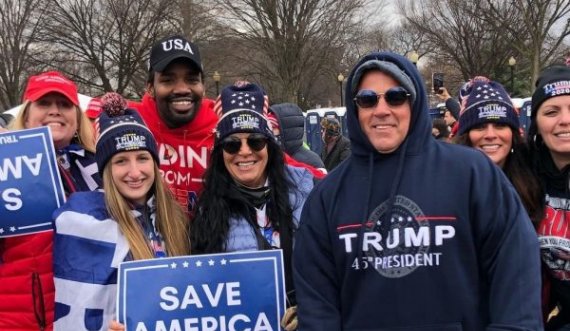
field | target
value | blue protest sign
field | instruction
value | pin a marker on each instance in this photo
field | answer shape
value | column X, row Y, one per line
column 30, row 186
column 233, row 291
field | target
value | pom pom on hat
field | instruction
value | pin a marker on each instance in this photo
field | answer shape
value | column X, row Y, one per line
column 121, row 130
column 113, row 104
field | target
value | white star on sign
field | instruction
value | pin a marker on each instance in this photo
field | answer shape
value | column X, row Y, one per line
column 224, row 261
column 211, row 262
column 173, row 265
column 1, row 230
column 185, row 264
column 252, row 98
column 198, row 263
column 13, row 228
column 240, row 104
column 232, row 102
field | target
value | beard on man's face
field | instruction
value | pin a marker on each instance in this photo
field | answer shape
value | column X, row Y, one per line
column 177, row 110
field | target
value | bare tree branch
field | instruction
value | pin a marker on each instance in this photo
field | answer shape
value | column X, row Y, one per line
column 20, row 25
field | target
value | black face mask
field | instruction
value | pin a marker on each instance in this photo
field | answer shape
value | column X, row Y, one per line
column 256, row 196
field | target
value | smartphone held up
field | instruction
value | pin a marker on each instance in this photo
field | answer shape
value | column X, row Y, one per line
column 437, row 82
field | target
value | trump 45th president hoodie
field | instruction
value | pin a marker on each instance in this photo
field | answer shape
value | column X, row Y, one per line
column 431, row 236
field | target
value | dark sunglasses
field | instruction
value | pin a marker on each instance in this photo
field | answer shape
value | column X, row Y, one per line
column 256, row 142
column 396, row 96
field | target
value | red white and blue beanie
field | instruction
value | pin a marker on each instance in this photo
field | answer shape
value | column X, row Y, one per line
column 242, row 108
column 552, row 82
column 122, row 130
column 486, row 101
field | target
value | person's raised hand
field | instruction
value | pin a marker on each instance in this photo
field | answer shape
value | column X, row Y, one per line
column 443, row 94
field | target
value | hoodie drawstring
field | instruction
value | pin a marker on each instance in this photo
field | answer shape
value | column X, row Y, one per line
column 385, row 219
column 365, row 213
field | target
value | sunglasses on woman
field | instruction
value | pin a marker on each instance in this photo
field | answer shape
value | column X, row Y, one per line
column 232, row 145
column 396, row 96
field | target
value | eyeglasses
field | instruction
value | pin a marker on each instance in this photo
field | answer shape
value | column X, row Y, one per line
column 396, row 96
column 232, row 145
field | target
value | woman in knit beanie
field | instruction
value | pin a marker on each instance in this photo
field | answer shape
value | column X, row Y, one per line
column 489, row 122
column 549, row 140
column 135, row 218
column 251, row 200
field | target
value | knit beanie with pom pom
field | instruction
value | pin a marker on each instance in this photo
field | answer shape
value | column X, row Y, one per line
column 121, row 130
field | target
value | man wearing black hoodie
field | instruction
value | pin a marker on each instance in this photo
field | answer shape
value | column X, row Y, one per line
column 397, row 239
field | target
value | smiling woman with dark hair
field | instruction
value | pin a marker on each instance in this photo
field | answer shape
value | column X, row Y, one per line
column 549, row 140
column 492, row 126
column 251, row 199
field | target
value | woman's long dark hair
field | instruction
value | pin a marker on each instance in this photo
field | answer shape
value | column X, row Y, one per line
column 520, row 172
column 221, row 201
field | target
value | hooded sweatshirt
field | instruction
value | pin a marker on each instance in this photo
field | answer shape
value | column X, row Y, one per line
column 460, row 252
column 183, row 152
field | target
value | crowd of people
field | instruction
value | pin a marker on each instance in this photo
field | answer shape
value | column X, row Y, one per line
column 406, row 224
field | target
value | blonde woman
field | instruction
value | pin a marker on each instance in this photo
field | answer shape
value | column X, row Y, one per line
column 136, row 218
column 26, row 274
